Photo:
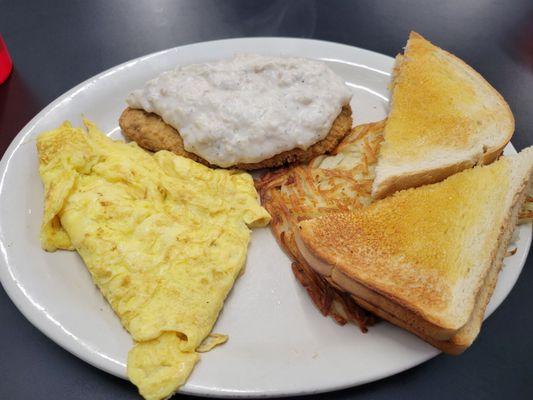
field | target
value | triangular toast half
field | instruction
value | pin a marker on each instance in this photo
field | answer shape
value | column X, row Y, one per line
column 444, row 118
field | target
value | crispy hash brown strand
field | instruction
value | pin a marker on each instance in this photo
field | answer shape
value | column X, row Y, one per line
column 152, row 133
column 341, row 181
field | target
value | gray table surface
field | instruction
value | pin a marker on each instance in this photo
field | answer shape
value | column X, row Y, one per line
column 57, row 44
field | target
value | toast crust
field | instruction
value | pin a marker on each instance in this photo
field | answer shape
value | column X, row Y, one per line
column 466, row 335
column 444, row 346
column 396, row 183
column 152, row 133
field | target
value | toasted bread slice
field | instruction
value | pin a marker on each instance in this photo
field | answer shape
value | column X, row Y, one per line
column 444, row 118
column 152, row 133
column 428, row 257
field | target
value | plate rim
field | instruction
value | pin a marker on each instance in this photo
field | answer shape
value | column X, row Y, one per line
column 23, row 303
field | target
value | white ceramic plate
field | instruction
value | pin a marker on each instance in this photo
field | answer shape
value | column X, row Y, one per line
column 279, row 343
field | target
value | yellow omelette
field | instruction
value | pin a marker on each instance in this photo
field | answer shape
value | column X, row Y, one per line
column 163, row 237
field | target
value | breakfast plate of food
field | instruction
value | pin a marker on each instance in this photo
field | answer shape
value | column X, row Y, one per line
column 266, row 216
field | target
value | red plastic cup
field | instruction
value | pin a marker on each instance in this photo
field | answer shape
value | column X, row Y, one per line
column 6, row 64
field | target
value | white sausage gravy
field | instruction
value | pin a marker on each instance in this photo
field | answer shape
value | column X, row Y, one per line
column 246, row 109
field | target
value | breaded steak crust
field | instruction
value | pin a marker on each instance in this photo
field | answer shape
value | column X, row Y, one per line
column 152, row 133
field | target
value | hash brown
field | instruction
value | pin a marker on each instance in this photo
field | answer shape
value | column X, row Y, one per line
column 341, row 181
